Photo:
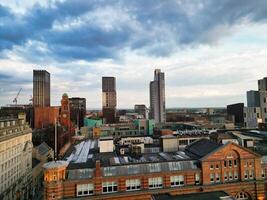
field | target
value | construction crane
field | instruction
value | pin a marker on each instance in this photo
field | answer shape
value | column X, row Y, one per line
column 16, row 98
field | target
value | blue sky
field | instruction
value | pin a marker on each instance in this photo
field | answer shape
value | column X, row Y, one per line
column 212, row 52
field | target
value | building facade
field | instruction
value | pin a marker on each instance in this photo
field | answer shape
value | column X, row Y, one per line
column 109, row 99
column 141, row 109
column 237, row 112
column 157, row 97
column 204, row 166
column 15, row 159
column 41, row 88
column 253, row 98
column 77, row 110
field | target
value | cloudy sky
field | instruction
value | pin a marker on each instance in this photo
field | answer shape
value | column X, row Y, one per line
column 211, row 51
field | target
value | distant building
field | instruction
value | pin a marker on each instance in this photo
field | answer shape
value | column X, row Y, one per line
column 141, row 109
column 253, row 98
column 15, row 159
column 77, row 110
column 109, row 99
column 236, row 111
column 41, row 88
column 45, row 116
column 252, row 117
column 157, row 97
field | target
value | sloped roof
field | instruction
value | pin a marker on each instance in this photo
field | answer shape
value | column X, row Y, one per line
column 43, row 148
column 200, row 148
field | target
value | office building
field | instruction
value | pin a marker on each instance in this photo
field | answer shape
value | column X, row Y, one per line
column 204, row 166
column 77, row 111
column 253, row 98
column 15, row 158
column 252, row 117
column 236, row 112
column 141, row 109
column 41, row 88
column 157, row 97
column 109, row 99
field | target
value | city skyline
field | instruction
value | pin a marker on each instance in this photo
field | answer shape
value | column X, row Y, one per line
column 210, row 57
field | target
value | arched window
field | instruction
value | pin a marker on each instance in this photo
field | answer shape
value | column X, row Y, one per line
column 242, row 196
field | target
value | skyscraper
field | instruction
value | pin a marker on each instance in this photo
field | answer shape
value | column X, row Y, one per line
column 109, row 99
column 77, row 110
column 253, row 98
column 262, row 83
column 41, row 88
column 157, row 97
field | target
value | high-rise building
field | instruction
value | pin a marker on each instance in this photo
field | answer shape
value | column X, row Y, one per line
column 157, row 97
column 253, row 98
column 77, row 110
column 109, row 99
column 15, row 158
column 41, row 88
column 141, row 109
column 262, row 83
column 236, row 111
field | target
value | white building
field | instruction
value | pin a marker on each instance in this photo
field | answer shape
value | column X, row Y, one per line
column 252, row 117
column 15, row 159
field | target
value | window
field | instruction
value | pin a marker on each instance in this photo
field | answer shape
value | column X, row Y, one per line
column 154, row 167
column 155, row 182
column 235, row 175
column 217, row 177
column 263, row 173
column 133, row 184
column 230, row 163
column 110, row 171
column 246, row 164
column 197, row 179
column 211, row 167
column 133, row 169
column 246, row 174
column 211, row 178
column 225, row 176
column 85, row 189
column 217, row 166
column 251, row 174
column 177, row 180
column 230, row 176
column 225, row 163
column 109, row 187
column 235, row 163
column 242, row 196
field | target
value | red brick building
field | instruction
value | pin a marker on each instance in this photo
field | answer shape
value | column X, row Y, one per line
column 45, row 116
column 203, row 167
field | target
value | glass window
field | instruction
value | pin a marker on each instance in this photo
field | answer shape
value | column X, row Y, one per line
column 251, row 174
column 225, row 176
column 85, row 189
column 211, row 178
column 211, row 167
column 197, row 179
column 235, row 163
column 218, row 178
column 155, row 182
column 177, row 180
column 230, row 163
column 235, row 175
column 225, row 163
column 154, row 167
column 133, row 184
column 246, row 174
column 109, row 187
column 133, row 169
column 110, row 171
column 230, row 175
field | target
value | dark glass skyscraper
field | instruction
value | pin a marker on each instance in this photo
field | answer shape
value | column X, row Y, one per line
column 41, row 88
column 109, row 99
column 157, row 97
column 77, row 110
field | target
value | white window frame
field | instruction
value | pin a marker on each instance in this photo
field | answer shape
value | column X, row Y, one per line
column 177, row 180
column 84, row 189
column 133, row 184
column 111, row 187
column 155, row 182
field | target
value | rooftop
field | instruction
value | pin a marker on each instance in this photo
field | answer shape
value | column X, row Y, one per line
column 218, row 195
column 55, row 164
